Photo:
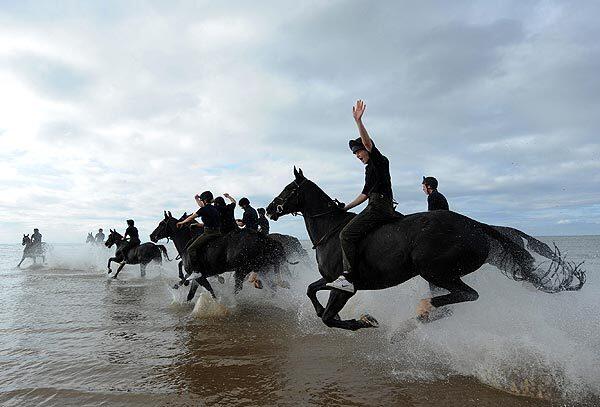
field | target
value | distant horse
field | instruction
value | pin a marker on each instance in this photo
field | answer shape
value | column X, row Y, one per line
column 241, row 251
column 33, row 251
column 142, row 254
column 440, row 246
column 90, row 238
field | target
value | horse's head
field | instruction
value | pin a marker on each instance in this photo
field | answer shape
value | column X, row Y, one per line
column 26, row 240
column 302, row 195
column 113, row 238
column 90, row 238
column 165, row 229
column 291, row 199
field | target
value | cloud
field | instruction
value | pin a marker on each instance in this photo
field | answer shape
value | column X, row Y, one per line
column 118, row 110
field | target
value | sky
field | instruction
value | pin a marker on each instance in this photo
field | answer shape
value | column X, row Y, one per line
column 112, row 110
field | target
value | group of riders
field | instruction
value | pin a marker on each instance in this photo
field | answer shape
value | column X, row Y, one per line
column 217, row 219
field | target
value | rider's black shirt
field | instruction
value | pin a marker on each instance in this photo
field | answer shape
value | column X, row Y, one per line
column 227, row 217
column 250, row 218
column 36, row 238
column 133, row 234
column 99, row 237
column 436, row 201
column 210, row 216
column 377, row 175
column 263, row 223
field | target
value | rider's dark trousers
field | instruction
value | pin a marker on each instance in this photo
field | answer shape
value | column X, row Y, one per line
column 378, row 212
column 196, row 246
column 125, row 249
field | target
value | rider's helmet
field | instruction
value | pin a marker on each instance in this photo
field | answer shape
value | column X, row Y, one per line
column 430, row 182
column 36, row 230
column 100, row 230
column 244, row 202
column 356, row 145
column 206, row 196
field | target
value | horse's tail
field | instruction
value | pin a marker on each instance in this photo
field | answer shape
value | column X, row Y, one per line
column 163, row 249
column 552, row 276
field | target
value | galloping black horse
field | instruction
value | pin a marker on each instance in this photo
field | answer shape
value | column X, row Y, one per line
column 440, row 246
column 32, row 251
column 242, row 251
column 142, row 254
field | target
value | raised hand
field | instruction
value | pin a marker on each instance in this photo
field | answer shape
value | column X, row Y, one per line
column 226, row 195
column 358, row 110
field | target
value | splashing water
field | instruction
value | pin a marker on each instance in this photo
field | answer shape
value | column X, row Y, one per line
column 514, row 338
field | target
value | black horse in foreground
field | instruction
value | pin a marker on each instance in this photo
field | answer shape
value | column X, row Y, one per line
column 142, row 254
column 440, row 246
column 32, row 251
column 241, row 251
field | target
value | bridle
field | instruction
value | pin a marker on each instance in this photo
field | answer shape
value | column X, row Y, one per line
column 333, row 204
column 280, row 206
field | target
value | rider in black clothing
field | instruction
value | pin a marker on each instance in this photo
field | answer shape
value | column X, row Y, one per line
column 211, row 223
column 36, row 240
column 99, row 238
column 435, row 200
column 134, row 238
column 226, row 213
column 263, row 222
column 250, row 217
column 377, row 189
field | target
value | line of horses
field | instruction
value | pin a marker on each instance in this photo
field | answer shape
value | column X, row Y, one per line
column 440, row 246
column 242, row 251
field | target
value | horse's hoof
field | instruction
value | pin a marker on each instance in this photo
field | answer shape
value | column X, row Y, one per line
column 221, row 279
column 258, row 284
column 369, row 321
column 114, row 277
column 176, row 287
column 109, row 271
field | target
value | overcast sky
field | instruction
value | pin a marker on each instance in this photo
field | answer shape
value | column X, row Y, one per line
column 116, row 110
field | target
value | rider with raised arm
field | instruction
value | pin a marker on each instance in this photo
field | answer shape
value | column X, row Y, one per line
column 377, row 189
column 211, row 222
column 226, row 213
column 263, row 222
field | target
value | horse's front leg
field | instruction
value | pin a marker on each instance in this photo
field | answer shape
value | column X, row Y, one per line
column 337, row 301
column 120, row 268
column 110, row 260
column 312, row 290
column 22, row 259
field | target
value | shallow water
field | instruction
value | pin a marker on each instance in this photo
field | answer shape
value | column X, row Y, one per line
column 72, row 336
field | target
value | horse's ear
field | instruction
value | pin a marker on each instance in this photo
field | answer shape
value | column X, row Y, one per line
column 169, row 213
column 300, row 172
column 295, row 172
column 166, row 215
